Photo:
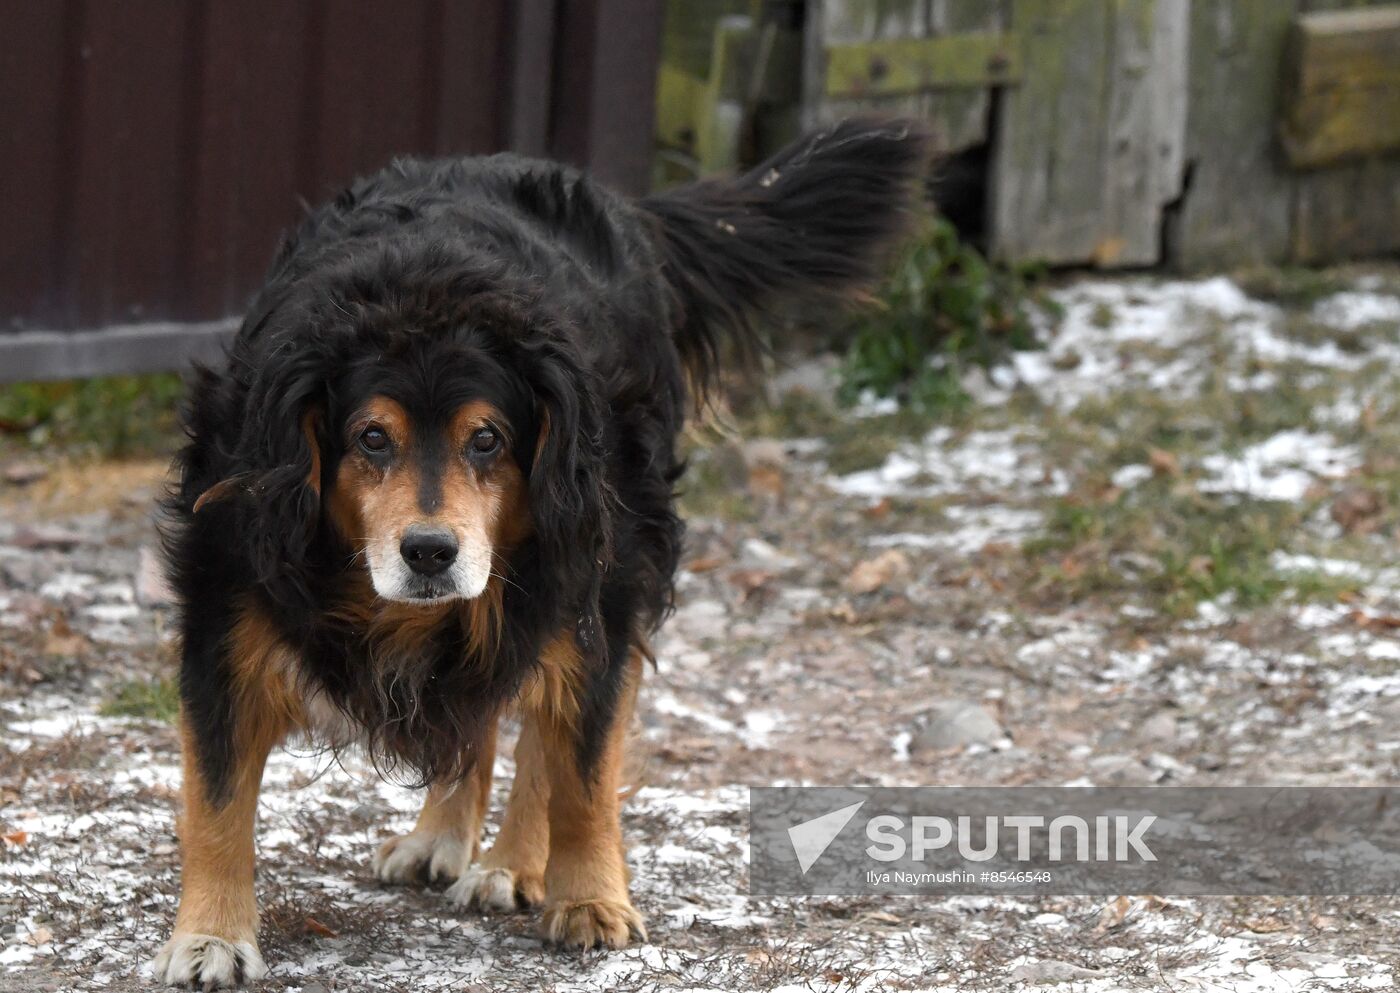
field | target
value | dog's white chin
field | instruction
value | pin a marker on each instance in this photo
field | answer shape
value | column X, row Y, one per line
column 424, row 601
column 465, row 580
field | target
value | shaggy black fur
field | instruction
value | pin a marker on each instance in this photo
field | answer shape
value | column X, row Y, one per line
column 523, row 283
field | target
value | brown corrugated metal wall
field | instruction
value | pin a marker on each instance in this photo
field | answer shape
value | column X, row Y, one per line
column 152, row 150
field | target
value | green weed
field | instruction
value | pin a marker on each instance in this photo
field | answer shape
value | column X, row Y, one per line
column 153, row 699
column 943, row 309
column 108, row 416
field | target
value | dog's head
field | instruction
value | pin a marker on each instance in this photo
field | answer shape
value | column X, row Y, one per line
column 429, row 477
column 434, row 434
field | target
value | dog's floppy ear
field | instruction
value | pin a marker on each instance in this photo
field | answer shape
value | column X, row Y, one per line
column 279, row 460
column 570, row 501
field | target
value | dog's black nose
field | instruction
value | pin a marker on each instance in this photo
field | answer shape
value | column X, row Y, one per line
column 428, row 551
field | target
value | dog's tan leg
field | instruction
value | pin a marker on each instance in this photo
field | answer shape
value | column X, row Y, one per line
column 511, row 875
column 586, row 899
column 215, row 939
column 447, row 836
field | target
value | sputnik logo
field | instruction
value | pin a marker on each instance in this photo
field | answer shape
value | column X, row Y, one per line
column 811, row 838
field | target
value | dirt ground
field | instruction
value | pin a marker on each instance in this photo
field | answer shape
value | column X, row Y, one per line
column 1161, row 551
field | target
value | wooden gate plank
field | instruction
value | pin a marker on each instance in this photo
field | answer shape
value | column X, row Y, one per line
column 1146, row 136
column 1048, row 168
column 1351, row 210
column 1342, row 86
column 1239, row 207
column 971, row 60
column 957, row 118
column 1089, row 146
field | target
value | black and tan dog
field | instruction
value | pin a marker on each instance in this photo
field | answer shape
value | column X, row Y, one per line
column 434, row 481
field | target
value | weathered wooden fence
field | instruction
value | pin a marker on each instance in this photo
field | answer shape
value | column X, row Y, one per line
column 1193, row 133
column 152, row 150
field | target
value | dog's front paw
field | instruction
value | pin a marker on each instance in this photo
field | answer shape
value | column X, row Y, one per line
column 208, row 963
column 590, row 923
column 499, row 889
column 411, row 857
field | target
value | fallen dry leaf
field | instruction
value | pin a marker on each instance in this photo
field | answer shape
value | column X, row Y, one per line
column 62, row 640
column 844, row 613
column 706, row 564
column 313, row 926
column 872, row 574
column 1112, row 914
column 880, row 510
column 16, row 838
column 1071, row 568
column 1200, row 566
column 881, row 917
column 1359, row 509
column 767, row 480
column 1375, row 622
column 1163, row 463
column 750, row 581
column 1267, row 925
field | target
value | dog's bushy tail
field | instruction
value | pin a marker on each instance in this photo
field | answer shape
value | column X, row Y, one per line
column 811, row 222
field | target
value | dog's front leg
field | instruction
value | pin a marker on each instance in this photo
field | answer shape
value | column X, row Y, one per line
column 586, row 899
column 447, row 837
column 229, row 722
column 511, row 875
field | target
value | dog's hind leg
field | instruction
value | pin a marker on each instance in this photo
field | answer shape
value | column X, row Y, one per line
column 510, row 876
column 446, row 839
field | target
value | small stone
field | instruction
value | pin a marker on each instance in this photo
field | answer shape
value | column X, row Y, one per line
column 957, row 724
column 365, row 813
column 700, row 619
column 1052, row 971
column 1160, row 726
column 765, row 451
column 152, row 588
column 1118, row 770
column 25, row 473
column 26, row 572
column 767, row 463
column 759, row 551
column 47, row 536
column 728, row 460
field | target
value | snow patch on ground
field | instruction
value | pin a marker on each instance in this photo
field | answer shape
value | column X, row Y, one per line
column 1160, row 334
column 1283, row 467
column 969, row 529
column 996, row 462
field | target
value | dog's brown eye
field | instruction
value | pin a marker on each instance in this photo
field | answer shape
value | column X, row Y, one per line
column 485, row 441
column 374, row 440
